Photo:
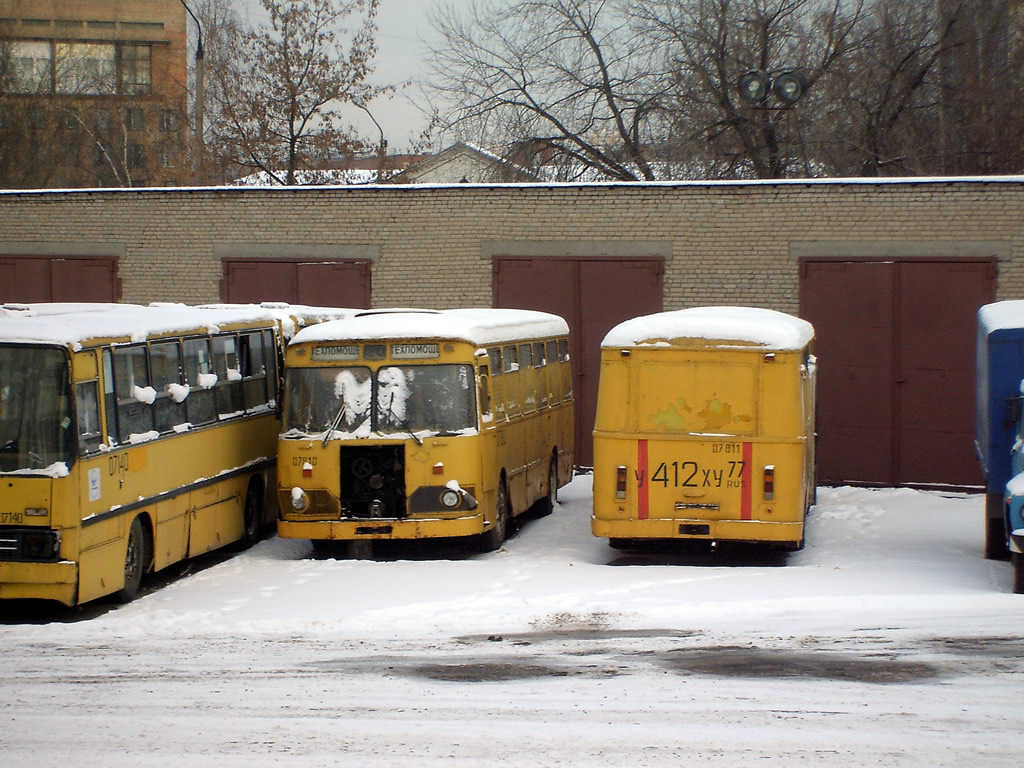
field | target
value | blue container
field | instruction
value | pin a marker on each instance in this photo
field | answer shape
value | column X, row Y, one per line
column 999, row 374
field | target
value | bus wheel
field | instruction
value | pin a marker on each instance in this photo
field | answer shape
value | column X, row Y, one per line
column 546, row 505
column 493, row 538
column 995, row 539
column 1018, row 573
column 252, row 515
column 135, row 561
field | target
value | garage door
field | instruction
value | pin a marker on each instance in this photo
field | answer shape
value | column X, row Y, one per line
column 28, row 279
column 895, row 345
column 316, row 283
column 593, row 296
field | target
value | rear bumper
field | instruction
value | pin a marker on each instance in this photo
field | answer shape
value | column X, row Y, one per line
column 352, row 530
column 710, row 530
column 39, row 581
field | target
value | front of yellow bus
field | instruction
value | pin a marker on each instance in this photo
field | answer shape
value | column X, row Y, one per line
column 380, row 436
column 37, row 453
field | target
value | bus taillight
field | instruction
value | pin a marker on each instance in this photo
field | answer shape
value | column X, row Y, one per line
column 620, row 482
column 769, row 482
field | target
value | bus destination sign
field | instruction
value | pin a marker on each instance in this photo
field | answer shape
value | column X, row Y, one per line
column 415, row 351
column 325, row 352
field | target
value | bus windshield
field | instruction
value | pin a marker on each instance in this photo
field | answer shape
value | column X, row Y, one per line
column 36, row 425
column 399, row 399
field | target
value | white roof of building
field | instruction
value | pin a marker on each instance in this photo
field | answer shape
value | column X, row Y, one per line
column 745, row 325
column 478, row 326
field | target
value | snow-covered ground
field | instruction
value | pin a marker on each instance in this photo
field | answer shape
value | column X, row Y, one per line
column 888, row 641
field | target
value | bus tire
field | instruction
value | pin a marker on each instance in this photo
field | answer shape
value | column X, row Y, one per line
column 252, row 515
column 546, row 505
column 1018, row 572
column 995, row 539
column 494, row 537
column 136, row 560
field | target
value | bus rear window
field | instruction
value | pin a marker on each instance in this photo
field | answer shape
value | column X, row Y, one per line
column 36, row 425
column 696, row 398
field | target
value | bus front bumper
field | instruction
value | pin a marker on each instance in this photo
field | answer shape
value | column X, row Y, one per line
column 39, row 581
column 753, row 531
column 405, row 528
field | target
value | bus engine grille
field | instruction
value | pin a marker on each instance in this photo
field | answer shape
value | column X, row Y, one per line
column 373, row 481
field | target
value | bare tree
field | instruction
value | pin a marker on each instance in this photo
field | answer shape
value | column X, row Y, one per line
column 709, row 44
column 562, row 80
column 275, row 101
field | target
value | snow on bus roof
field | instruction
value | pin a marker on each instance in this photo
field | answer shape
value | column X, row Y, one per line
column 73, row 323
column 748, row 325
column 478, row 326
column 1001, row 314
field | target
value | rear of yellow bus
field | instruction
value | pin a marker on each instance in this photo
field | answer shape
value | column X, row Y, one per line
column 704, row 441
column 37, row 474
column 381, row 441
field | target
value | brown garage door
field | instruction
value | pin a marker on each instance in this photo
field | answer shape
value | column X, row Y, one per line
column 593, row 296
column 29, row 279
column 319, row 283
column 895, row 345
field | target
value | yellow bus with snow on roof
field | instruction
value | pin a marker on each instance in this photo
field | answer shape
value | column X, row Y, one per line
column 132, row 437
column 705, row 428
column 420, row 424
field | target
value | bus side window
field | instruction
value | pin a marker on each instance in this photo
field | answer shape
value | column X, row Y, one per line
column 563, row 359
column 497, row 383
column 229, row 376
column 134, row 394
column 270, row 358
column 554, row 385
column 109, row 401
column 200, row 379
column 485, row 394
column 511, row 383
column 253, row 369
column 165, row 359
column 527, row 378
column 540, row 368
column 90, row 433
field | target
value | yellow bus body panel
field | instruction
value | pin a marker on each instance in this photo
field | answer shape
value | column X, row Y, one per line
column 713, row 443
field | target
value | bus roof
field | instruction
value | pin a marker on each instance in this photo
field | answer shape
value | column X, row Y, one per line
column 71, row 324
column 477, row 326
column 1001, row 315
column 764, row 328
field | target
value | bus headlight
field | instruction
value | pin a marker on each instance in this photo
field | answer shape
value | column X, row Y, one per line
column 450, row 498
column 299, row 499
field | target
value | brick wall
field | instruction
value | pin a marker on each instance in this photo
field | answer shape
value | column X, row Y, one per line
column 730, row 242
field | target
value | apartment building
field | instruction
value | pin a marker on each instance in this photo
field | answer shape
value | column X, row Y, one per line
column 93, row 93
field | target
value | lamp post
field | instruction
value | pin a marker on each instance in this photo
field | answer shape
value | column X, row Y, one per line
column 197, row 155
column 756, row 85
column 382, row 148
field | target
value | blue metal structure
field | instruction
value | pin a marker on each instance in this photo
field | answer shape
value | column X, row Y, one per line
column 1000, row 372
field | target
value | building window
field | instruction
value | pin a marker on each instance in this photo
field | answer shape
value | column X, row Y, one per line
column 136, row 69
column 134, row 119
column 168, row 155
column 136, row 155
column 100, row 153
column 84, row 68
column 36, row 117
column 168, row 120
column 31, row 68
column 71, row 119
column 103, row 119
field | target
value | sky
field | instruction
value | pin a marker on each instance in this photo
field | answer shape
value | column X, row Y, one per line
column 403, row 30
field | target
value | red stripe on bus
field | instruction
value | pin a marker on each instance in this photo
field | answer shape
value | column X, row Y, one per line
column 642, row 498
column 746, row 486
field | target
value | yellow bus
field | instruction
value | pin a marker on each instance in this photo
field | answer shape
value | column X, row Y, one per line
column 705, row 428
column 132, row 437
column 419, row 424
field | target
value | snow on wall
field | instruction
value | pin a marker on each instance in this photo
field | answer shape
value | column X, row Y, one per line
column 764, row 327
